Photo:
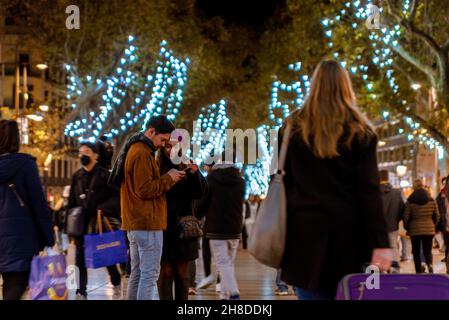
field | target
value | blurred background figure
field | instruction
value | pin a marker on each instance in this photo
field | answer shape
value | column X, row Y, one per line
column 393, row 203
column 442, row 225
column 59, row 218
column 105, row 152
column 420, row 218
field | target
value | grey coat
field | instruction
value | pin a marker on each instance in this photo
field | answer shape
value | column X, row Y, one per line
column 393, row 204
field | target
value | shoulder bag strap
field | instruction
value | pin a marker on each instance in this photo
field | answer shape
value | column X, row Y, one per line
column 91, row 185
column 284, row 148
column 22, row 203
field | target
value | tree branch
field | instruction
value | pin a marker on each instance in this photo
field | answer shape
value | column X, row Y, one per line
column 445, row 47
column 413, row 6
column 414, row 61
column 409, row 25
column 431, row 129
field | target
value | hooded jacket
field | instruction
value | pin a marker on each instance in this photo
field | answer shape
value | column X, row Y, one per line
column 393, row 204
column 421, row 214
column 223, row 203
column 22, row 232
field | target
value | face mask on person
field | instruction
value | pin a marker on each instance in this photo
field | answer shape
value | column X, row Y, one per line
column 85, row 160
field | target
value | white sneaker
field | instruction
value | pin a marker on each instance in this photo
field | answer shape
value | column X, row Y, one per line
column 218, row 287
column 206, row 282
column 117, row 292
column 80, row 297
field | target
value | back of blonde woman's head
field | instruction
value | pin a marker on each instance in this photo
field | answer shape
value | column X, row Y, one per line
column 330, row 112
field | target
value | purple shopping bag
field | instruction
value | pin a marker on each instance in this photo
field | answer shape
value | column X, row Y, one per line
column 48, row 278
column 394, row 287
column 105, row 249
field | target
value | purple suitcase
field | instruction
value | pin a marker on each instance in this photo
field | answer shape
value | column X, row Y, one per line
column 395, row 287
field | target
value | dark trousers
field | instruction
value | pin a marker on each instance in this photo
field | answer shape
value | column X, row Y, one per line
column 113, row 271
column 14, row 284
column 426, row 243
column 207, row 257
column 244, row 238
column 192, row 274
column 174, row 272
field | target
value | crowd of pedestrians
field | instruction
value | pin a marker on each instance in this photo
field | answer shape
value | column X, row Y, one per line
column 342, row 213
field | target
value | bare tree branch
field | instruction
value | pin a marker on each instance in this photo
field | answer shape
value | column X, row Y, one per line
column 445, row 47
column 410, row 26
column 427, row 70
column 413, row 7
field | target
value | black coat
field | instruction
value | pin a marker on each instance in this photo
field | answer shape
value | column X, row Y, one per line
column 180, row 203
column 223, row 203
column 334, row 214
column 22, row 232
column 394, row 206
column 441, row 203
column 102, row 196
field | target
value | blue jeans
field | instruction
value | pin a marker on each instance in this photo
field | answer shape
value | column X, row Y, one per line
column 281, row 285
column 146, row 252
column 312, row 295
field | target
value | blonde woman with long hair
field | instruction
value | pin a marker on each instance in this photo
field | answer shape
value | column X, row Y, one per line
column 335, row 220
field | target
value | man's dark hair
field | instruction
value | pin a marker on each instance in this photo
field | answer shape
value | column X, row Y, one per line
column 161, row 124
column 9, row 136
column 91, row 146
column 443, row 179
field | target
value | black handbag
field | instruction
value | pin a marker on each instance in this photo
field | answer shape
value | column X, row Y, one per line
column 76, row 221
column 189, row 228
column 77, row 217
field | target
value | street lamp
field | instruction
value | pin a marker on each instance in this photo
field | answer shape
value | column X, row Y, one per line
column 416, row 86
column 42, row 66
column 35, row 117
column 401, row 170
column 43, row 108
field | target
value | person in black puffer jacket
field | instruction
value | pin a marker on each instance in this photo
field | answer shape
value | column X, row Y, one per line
column 223, row 206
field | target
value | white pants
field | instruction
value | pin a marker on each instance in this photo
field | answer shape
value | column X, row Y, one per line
column 394, row 243
column 224, row 252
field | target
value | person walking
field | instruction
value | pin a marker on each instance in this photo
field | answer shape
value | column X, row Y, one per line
column 393, row 204
column 177, row 252
column 420, row 217
column 208, row 277
column 333, row 228
column 223, row 207
column 143, row 203
column 25, row 219
column 90, row 189
column 442, row 225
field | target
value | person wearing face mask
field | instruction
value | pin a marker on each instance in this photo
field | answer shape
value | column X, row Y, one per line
column 90, row 189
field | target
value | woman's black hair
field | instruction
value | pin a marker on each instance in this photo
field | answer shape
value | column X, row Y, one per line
column 91, row 146
column 9, row 136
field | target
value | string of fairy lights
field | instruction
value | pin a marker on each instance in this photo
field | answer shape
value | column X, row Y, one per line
column 258, row 175
column 162, row 92
column 209, row 132
column 166, row 87
column 384, row 43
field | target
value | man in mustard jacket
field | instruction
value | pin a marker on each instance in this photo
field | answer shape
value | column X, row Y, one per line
column 143, row 205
